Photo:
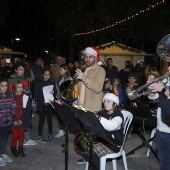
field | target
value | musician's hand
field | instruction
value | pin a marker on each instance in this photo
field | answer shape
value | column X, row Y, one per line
column 151, row 94
column 156, row 87
column 80, row 75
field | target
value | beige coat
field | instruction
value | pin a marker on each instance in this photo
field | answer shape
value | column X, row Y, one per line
column 93, row 88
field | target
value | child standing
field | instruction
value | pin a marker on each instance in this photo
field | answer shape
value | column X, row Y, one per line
column 117, row 90
column 44, row 109
column 7, row 113
column 22, row 118
column 19, row 75
column 64, row 76
column 130, row 86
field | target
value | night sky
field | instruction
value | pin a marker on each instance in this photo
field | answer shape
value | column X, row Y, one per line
column 50, row 25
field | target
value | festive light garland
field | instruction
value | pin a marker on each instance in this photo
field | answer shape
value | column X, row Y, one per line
column 116, row 44
column 121, row 21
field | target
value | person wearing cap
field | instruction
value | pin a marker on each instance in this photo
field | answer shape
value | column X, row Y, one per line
column 161, row 92
column 112, row 120
column 91, row 81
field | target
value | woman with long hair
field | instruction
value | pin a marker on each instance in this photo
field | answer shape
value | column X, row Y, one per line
column 64, row 76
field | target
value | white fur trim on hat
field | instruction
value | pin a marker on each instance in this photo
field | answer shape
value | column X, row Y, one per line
column 100, row 63
column 112, row 97
column 90, row 51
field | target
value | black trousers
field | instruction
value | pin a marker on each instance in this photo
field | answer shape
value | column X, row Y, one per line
column 48, row 111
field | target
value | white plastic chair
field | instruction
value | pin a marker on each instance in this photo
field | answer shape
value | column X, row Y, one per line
column 127, row 120
column 150, row 143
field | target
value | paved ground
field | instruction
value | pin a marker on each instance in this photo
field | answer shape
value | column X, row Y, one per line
column 49, row 156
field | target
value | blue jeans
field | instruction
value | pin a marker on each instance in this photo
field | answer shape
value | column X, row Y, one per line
column 163, row 147
column 60, row 124
column 27, row 135
column 3, row 138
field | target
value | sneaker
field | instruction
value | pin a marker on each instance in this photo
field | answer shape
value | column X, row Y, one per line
column 60, row 134
column 81, row 161
column 42, row 139
column 2, row 162
column 30, row 142
column 50, row 138
column 6, row 158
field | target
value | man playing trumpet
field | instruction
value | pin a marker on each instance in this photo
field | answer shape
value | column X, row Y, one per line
column 161, row 91
column 91, row 83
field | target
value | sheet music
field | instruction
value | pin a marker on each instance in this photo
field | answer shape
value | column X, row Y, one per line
column 47, row 95
column 25, row 100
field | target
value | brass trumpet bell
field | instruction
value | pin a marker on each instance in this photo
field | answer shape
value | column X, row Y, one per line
column 69, row 90
column 163, row 48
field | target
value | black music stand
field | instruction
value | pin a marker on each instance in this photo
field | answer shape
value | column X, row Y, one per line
column 69, row 122
column 143, row 116
column 144, row 143
column 95, row 129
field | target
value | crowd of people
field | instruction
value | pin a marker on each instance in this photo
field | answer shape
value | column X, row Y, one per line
column 99, row 87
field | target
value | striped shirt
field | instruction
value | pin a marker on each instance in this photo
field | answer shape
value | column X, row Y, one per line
column 7, row 109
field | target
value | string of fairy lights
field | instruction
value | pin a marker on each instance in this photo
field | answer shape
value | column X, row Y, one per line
column 123, row 20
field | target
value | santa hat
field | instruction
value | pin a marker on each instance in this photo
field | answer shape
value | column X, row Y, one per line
column 93, row 51
column 112, row 97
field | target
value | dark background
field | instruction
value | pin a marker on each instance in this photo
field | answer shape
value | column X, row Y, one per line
column 50, row 25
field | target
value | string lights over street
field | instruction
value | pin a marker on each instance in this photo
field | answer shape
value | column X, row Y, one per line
column 123, row 20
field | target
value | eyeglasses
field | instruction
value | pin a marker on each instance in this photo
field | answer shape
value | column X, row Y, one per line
column 85, row 56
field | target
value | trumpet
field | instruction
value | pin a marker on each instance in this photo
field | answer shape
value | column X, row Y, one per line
column 144, row 90
column 163, row 50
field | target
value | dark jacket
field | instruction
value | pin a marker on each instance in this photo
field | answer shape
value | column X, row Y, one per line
column 5, row 72
column 112, row 72
column 123, row 76
column 38, row 93
column 38, row 72
column 118, row 134
column 27, row 115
